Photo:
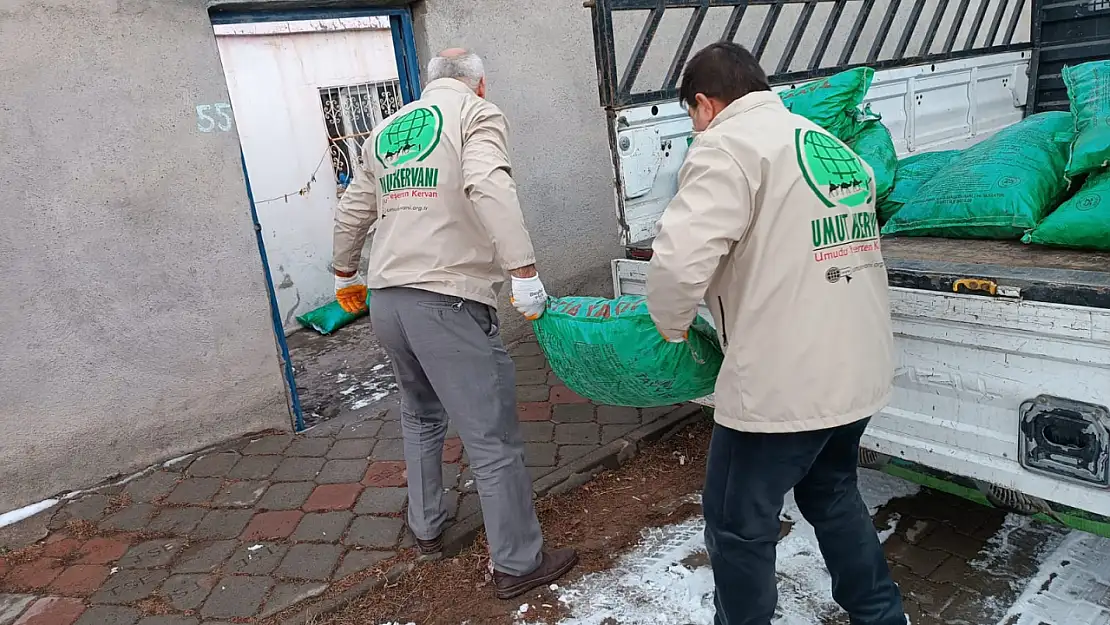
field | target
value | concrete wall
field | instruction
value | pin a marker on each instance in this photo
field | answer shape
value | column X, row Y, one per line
column 134, row 321
column 540, row 64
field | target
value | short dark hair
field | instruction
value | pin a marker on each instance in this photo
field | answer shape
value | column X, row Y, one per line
column 723, row 70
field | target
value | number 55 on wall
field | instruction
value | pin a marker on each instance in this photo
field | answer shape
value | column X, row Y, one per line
column 212, row 117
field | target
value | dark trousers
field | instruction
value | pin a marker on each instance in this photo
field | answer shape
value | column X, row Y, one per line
column 747, row 478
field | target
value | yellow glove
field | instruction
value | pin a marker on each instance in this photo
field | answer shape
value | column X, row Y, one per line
column 682, row 339
column 351, row 294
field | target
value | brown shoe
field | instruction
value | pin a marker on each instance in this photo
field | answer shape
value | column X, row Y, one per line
column 554, row 565
column 430, row 548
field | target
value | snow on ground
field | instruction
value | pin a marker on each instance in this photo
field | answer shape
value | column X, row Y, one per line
column 667, row 581
column 1072, row 586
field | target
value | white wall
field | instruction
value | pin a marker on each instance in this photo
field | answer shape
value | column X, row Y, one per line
column 273, row 74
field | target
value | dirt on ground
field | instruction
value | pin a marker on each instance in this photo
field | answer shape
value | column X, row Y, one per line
column 602, row 520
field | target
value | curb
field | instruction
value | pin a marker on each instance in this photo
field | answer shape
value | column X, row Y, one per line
column 463, row 531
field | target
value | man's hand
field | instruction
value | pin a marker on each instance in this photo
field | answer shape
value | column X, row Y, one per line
column 529, row 296
column 350, row 293
column 674, row 337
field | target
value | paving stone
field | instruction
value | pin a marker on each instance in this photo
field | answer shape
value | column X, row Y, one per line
column 351, row 449
column 374, row 532
column 647, row 415
column 103, row 550
column 535, row 377
column 213, row 465
column 322, row 527
column 34, row 575
column 272, row 525
column 308, row 447
column 268, row 445
column 11, row 606
column 109, row 615
column 362, row 429
column 52, row 611
column 921, row 562
column 195, row 490
column 533, row 411
column 469, row 504
column 391, row 473
column 330, row 497
column 80, row 580
column 151, row 554
column 530, row 363
column 188, row 592
column 297, row 470
column 539, row 454
column 568, row 453
column 240, row 494
column 390, row 429
column 944, row 538
column 538, row 432
column 358, row 560
column 449, row 475
column 467, row 483
column 236, row 597
column 526, row 348
column 563, row 395
column 223, row 523
column 205, row 557
column 129, row 586
column 255, row 467
column 310, row 561
column 286, row 496
column 60, row 546
column 176, row 520
column 609, row 415
column 451, row 503
column 610, row 433
column 253, row 558
column 130, row 518
column 342, row 471
column 169, row 619
column 533, row 393
column 452, row 450
column 151, row 487
column 85, row 508
column 290, row 594
column 573, row 413
column 382, row 501
column 577, row 434
column 388, row 449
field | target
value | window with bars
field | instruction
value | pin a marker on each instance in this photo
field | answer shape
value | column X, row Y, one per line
column 350, row 114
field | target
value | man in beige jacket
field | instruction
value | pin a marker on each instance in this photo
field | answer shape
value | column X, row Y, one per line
column 773, row 226
column 435, row 177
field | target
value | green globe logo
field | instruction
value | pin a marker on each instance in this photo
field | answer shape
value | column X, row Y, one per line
column 412, row 136
column 834, row 172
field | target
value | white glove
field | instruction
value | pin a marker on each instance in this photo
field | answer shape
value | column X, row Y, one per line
column 529, row 297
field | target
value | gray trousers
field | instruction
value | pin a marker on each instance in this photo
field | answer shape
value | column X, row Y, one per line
column 450, row 361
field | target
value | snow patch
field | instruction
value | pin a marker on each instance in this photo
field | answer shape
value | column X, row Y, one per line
column 1070, row 586
column 26, row 512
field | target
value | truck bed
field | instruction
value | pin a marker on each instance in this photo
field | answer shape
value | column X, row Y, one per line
column 1077, row 277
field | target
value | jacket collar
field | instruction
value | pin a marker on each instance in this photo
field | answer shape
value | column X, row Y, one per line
column 450, row 84
column 747, row 103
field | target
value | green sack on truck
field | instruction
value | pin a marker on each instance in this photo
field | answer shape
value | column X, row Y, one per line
column 609, row 351
column 996, row 189
column 330, row 317
column 1089, row 93
column 912, row 173
column 1082, row 222
column 875, row 146
column 832, row 103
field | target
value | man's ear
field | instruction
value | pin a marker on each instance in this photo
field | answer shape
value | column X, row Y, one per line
column 481, row 90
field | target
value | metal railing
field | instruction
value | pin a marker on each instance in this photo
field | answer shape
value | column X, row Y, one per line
column 794, row 40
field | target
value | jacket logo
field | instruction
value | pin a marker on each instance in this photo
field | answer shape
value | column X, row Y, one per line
column 410, row 137
column 835, row 174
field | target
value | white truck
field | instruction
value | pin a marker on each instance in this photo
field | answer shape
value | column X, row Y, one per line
column 1003, row 350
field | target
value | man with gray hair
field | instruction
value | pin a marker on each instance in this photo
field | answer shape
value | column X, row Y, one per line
column 435, row 177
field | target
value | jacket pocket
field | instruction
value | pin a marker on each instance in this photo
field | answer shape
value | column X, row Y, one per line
column 724, row 321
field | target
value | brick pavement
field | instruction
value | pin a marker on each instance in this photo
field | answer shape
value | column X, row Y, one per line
column 249, row 528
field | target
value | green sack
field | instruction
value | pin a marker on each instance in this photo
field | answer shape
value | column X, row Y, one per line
column 330, row 317
column 913, row 172
column 1089, row 93
column 832, row 103
column 1081, row 222
column 609, row 351
column 875, row 146
column 996, row 189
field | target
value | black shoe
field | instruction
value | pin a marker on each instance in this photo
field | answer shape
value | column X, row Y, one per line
column 430, row 548
column 554, row 565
